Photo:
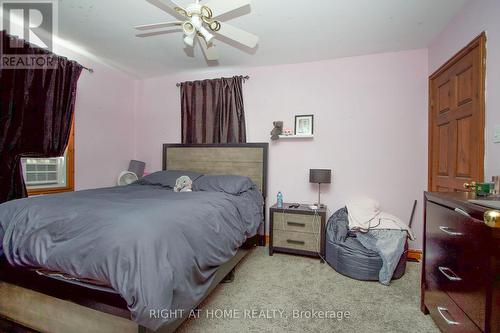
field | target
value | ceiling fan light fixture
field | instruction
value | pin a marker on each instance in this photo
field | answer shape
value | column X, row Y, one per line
column 200, row 21
column 189, row 39
column 188, row 28
column 207, row 35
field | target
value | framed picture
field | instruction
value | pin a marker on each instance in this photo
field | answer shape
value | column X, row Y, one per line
column 304, row 124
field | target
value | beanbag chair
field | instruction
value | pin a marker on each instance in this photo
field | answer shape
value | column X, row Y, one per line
column 349, row 257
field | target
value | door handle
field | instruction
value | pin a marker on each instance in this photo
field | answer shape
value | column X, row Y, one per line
column 462, row 212
column 451, row 275
column 447, row 231
column 441, row 311
column 470, row 186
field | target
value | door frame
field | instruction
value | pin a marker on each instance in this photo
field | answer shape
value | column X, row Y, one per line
column 479, row 41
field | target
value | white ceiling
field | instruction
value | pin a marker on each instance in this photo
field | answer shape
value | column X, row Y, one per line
column 290, row 31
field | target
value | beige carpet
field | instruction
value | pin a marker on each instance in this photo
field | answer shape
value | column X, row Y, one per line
column 285, row 283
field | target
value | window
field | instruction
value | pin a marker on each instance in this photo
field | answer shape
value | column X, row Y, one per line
column 50, row 175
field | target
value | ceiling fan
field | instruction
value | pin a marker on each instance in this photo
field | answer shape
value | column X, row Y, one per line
column 199, row 21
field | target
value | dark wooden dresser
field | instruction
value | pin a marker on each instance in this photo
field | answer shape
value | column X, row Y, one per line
column 461, row 271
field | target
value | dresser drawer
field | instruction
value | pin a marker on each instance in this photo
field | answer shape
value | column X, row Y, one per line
column 454, row 240
column 446, row 313
column 296, row 240
column 466, row 288
column 296, row 222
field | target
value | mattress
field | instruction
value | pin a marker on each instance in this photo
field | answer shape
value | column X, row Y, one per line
column 82, row 282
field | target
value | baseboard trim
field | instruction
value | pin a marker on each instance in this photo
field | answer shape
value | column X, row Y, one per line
column 412, row 255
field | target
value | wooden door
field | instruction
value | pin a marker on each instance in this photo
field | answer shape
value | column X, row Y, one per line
column 456, row 120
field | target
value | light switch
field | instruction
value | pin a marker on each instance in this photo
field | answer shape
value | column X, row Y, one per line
column 496, row 134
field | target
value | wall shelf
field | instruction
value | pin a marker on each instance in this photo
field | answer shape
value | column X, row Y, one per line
column 291, row 137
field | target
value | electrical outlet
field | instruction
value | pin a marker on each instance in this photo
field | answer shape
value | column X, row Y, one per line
column 496, row 134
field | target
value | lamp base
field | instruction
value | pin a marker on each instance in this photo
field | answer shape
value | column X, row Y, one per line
column 316, row 206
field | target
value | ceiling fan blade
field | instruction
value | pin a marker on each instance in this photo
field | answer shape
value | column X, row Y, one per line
column 209, row 49
column 158, row 32
column 238, row 35
column 158, row 25
column 167, row 6
column 220, row 7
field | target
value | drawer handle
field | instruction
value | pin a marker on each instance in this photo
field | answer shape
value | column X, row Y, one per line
column 296, row 224
column 441, row 311
column 291, row 241
column 447, row 231
column 451, row 275
column 462, row 212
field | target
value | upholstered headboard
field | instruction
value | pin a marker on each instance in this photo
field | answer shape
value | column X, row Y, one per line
column 245, row 159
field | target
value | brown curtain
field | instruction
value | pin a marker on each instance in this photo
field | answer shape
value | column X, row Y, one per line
column 212, row 111
column 36, row 111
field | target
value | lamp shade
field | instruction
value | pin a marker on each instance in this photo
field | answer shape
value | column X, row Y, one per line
column 137, row 167
column 320, row 176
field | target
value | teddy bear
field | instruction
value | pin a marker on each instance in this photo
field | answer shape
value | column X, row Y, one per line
column 183, row 184
column 277, row 130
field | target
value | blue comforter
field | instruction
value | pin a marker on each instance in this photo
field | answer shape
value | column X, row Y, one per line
column 158, row 249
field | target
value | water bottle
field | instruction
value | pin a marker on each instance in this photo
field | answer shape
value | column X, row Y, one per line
column 280, row 200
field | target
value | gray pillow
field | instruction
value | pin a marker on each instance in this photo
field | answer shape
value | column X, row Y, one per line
column 167, row 178
column 227, row 184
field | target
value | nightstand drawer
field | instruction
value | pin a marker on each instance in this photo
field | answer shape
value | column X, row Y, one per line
column 296, row 222
column 296, row 240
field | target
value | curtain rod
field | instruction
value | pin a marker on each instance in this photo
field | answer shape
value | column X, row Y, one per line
column 244, row 79
column 90, row 70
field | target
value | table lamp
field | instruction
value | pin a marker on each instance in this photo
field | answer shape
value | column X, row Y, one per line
column 320, row 176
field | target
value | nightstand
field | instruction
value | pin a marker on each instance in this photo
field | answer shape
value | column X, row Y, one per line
column 297, row 230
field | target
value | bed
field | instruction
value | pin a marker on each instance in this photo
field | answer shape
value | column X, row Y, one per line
column 32, row 297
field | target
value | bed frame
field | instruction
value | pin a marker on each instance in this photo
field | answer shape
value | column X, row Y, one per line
column 244, row 159
column 49, row 305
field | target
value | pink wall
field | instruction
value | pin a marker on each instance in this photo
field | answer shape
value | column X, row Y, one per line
column 104, row 120
column 476, row 16
column 370, row 126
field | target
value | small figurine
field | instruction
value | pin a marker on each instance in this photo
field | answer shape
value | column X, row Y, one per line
column 277, row 130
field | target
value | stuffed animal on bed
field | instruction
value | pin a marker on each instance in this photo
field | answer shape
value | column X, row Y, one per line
column 183, row 184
